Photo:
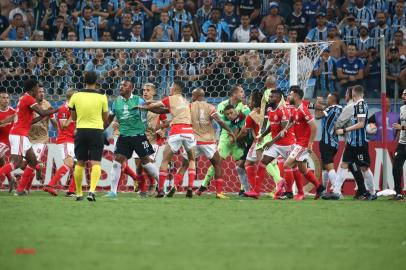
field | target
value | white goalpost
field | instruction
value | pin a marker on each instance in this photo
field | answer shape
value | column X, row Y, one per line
column 59, row 65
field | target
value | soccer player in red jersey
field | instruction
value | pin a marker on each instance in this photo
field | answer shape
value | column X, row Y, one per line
column 5, row 112
column 65, row 143
column 181, row 134
column 305, row 131
column 281, row 143
column 19, row 143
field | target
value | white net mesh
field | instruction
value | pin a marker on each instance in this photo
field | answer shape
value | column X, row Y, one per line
column 216, row 71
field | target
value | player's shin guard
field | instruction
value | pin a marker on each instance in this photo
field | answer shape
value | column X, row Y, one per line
column 192, row 176
column 58, row 175
column 162, row 178
column 95, row 177
column 26, row 178
column 127, row 170
column 369, row 181
column 280, row 163
column 6, row 169
column 219, row 185
column 115, row 176
column 273, row 170
column 341, row 175
column 78, row 173
column 208, row 177
column 298, row 180
column 309, row 175
column 289, row 177
column 251, row 173
column 332, row 176
column 260, row 177
column 151, row 170
column 242, row 175
column 178, row 180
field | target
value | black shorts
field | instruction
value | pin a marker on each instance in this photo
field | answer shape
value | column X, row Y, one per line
column 89, row 144
column 357, row 154
column 327, row 153
column 126, row 145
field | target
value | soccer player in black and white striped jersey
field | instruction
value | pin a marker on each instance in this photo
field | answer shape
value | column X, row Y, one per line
column 329, row 140
column 400, row 154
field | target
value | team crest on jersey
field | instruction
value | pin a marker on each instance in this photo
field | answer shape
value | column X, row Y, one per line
column 276, row 117
column 355, row 66
column 303, row 20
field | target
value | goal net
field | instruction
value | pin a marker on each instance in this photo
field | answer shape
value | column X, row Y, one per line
column 215, row 67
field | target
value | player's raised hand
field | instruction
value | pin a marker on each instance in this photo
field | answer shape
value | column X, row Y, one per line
column 397, row 126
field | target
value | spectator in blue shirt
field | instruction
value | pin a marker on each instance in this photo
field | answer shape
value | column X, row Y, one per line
column 350, row 70
column 99, row 64
column 372, row 74
column 11, row 31
column 364, row 42
column 87, row 25
column 349, row 29
column 123, row 32
column 159, row 6
column 378, row 5
column 163, row 32
column 280, row 35
column 325, row 71
column 211, row 35
column 179, row 17
column 230, row 17
column 319, row 33
column 312, row 8
column 222, row 29
column 136, row 32
column 398, row 20
column 203, row 13
column 3, row 22
column 362, row 13
column 382, row 28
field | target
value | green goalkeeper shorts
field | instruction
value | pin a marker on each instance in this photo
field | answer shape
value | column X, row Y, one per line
column 225, row 149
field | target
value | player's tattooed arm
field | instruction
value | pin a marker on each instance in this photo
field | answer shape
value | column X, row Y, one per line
column 7, row 120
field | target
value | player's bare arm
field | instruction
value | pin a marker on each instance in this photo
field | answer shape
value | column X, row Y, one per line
column 313, row 132
column 359, row 125
column 7, row 120
column 286, row 126
column 36, row 108
column 223, row 125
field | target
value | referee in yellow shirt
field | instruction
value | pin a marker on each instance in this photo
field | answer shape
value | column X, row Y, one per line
column 90, row 110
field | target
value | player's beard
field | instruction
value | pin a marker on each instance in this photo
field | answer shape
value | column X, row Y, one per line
column 272, row 105
column 292, row 102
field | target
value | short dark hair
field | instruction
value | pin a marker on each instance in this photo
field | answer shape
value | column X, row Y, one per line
column 186, row 26
column 399, row 31
column 352, row 44
column 336, row 97
column 297, row 90
column 17, row 14
column 212, row 26
column 358, row 89
column 137, row 23
column 229, row 107
column 216, row 9
column 29, row 85
column 256, row 97
column 245, row 15
column 234, row 89
column 179, row 84
column 90, row 77
column 87, row 7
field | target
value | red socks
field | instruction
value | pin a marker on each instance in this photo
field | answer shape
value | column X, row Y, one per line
column 251, row 174
column 162, row 178
column 127, row 170
column 309, row 175
column 58, row 175
column 6, row 169
column 299, row 180
column 260, row 177
column 72, row 185
column 141, row 183
column 25, row 179
column 218, row 183
column 192, row 176
column 178, row 180
column 288, row 176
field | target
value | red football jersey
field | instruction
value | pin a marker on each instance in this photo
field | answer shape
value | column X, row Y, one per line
column 24, row 115
column 66, row 135
column 5, row 130
column 302, row 127
column 275, row 117
column 250, row 123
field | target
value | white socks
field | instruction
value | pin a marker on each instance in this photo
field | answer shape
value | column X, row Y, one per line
column 332, row 176
column 151, row 170
column 369, row 181
column 339, row 180
column 242, row 175
column 115, row 176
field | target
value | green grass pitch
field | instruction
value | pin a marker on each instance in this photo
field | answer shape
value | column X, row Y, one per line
column 201, row 233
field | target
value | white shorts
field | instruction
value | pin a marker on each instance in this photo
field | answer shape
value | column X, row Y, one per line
column 39, row 150
column 252, row 153
column 66, row 150
column 176, row 141
column 299, row 153
column 276, row 150
column 19, row 145
column 207, row 150
column 3, row 149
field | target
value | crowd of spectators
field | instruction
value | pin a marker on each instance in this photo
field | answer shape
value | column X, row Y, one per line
column 353, row 25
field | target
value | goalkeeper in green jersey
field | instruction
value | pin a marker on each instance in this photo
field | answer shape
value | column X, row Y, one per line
column 227, row 147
